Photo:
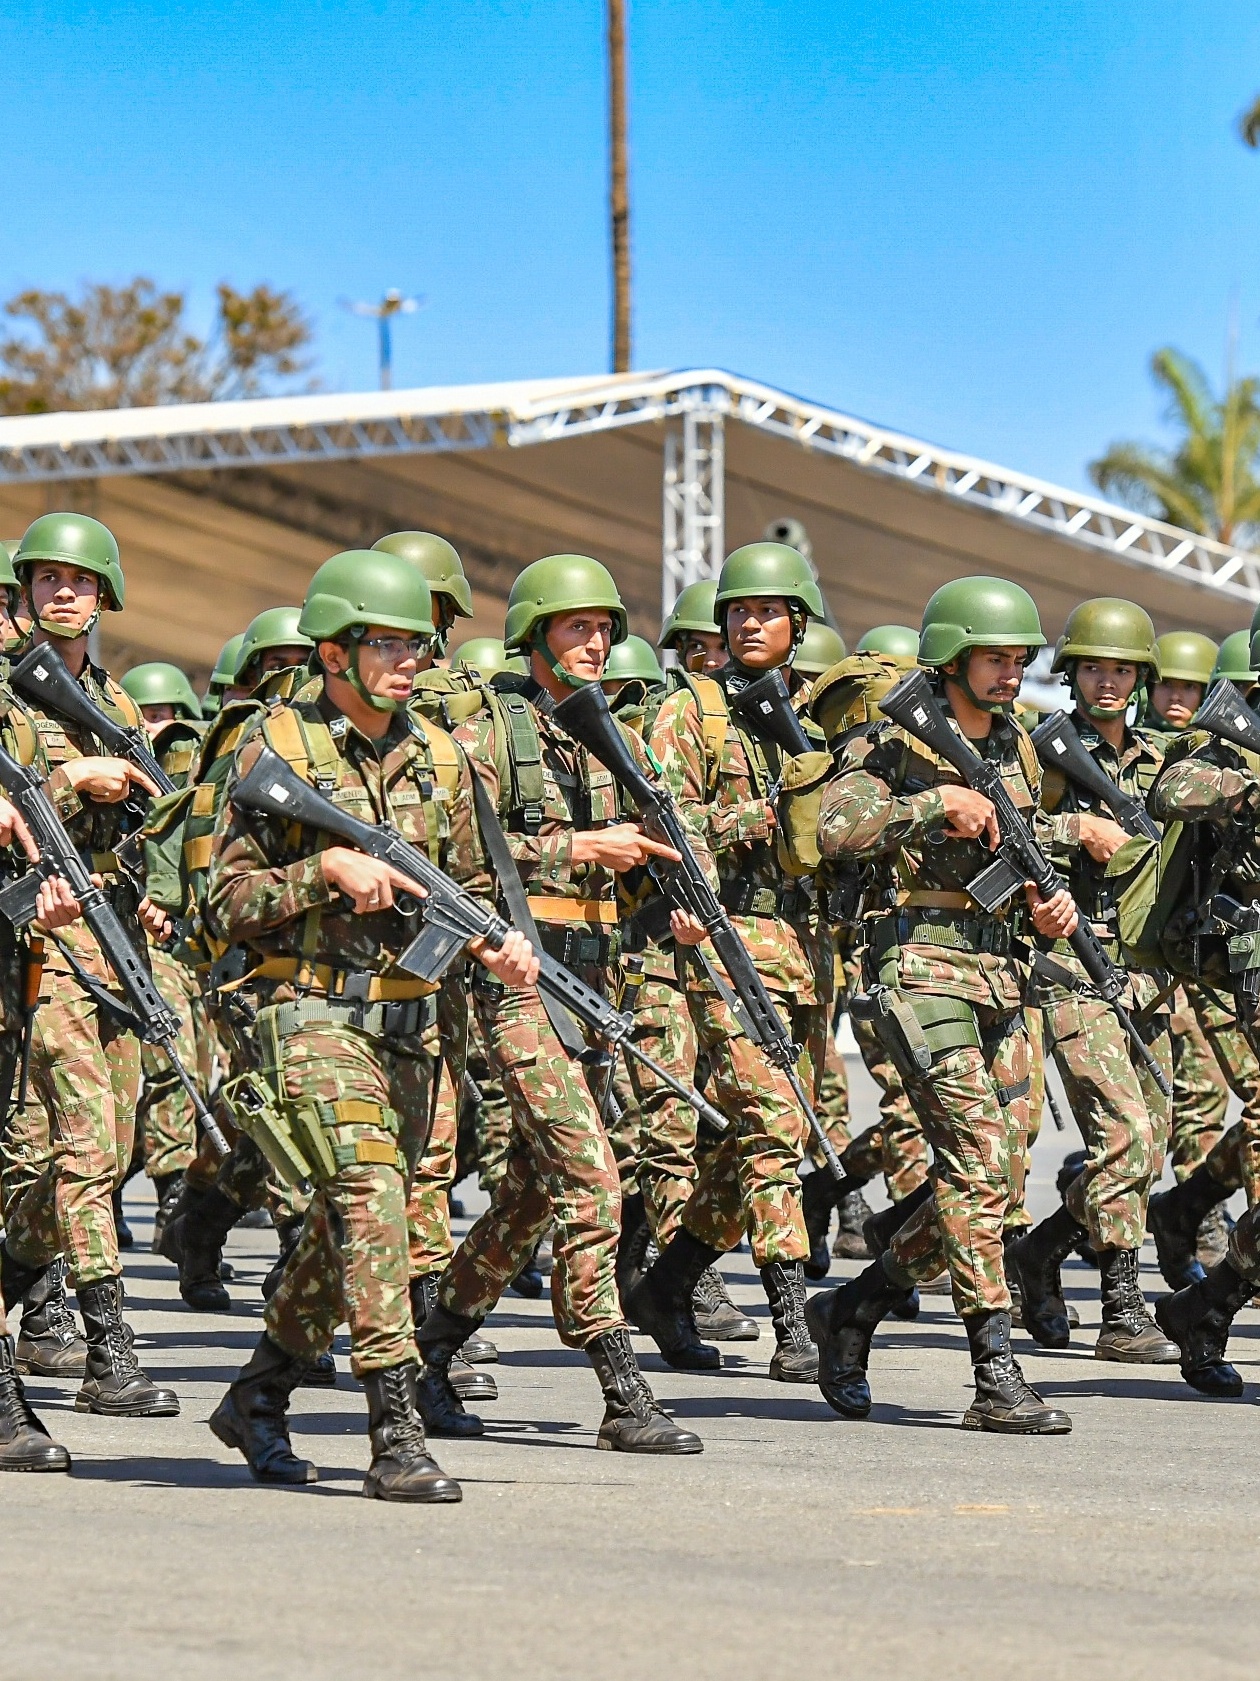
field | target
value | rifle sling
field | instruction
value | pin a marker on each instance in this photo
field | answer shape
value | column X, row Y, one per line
column 100, row 994
column 514, row 897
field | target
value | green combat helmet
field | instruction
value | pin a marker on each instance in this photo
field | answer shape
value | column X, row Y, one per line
column 977, row 613
column 693, row 611
column 486, row 656
column 899, row 642
column 633, row 658
column 365, row 587
column 8, row 577
column 74, row 540
column 559, row 583
column 1186, row 657
column 443, row 572
column 820, row 649
column 274, row 627
column 1236, row 660
column 159, row 684
column 223, row 676
column 1107, row 628
column 769, row 569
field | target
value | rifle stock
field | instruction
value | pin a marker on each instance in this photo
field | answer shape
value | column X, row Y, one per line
column 765, row 709
column 1226, row 714
column 1060, row 748
column 42, row 676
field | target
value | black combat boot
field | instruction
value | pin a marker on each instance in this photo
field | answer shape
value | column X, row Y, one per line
column 288, row 1232
column 49, row 1344
column 880, row 1229
column 1032, row 1262
column 439, row 1339
column 401, row 1468
column 633, row 1421
column 468, row 1384
column 1004, row 1401
column 795, row 1360
column 1198, row 1319
column 122, row 1231
column 17, row 1279
column 715, row 1313
column 1212, row 1244
column 251, row 1417
column 169, row 1187
column 24, row 1443
column 479, row 1350
column 1173, row 1219
column 852, row 1213
column 818, row 1198
column 842, row 1323
column 632, row 1244
column 1128, row 1331
column 321, row 1372
column 1072, row 1167
column 660, row 1303
column 194, row 1237
column 114, row 1384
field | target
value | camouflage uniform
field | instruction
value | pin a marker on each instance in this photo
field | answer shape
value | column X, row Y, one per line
column 749, row 1186
column 1200, row 1097
column 952, row 966
column 363, row 1067
column 85, row 1066
column 1123, row 1116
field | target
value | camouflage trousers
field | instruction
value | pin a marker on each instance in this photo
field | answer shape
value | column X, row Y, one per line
column 164, row 1114
column 749, row 1185
column 560, row 1167
column 895, row 1146
column 832, row 1107
column 667, row 1127
column 351, row 1259
column 1017, row 1216
column 974, row 1105
column 429, row 1200
column 493, row 1121
column 86, row 1073
column 1200, row 1098
column 1235, row 1157
column 1122, row 1115
column 26, row 1153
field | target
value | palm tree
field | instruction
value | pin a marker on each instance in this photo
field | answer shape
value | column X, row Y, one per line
column 1249, row 124
column 1209, row 483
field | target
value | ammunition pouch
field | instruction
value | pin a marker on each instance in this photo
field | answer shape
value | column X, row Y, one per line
column 803, row 781
column 917, row 1029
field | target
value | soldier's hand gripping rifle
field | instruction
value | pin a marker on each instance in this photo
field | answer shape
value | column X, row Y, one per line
column 42, row 677
column 586, row 717
column 1060, row 748
column 450, row 915
column 145, row 1008
column 914, row 706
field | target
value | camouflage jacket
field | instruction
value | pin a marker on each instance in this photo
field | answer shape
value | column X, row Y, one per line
column 883, row 808
column 267, row 889
column 1134, row 770
column 1207, row 780
column 725, row 795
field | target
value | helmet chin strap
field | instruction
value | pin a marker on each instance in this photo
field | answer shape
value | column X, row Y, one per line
column 999, row 708
column 1103, row 713
column 539, row 641
column 378, row 703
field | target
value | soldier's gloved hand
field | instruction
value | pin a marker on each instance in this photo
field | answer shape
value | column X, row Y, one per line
column 55, row 905
column 688, row 930
column 515, row 963
column 154, row 920
column 1101, row 837
column 968, row 815
column 1054, row 918
column 105, row 781
column 368, row 884
column 619, row 847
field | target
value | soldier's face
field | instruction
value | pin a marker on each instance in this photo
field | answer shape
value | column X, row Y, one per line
column 1176, row 700
column 759, row 631
column 155, row 716
column 280, row 659
column 579, row 642
column 701, row 651
column 1106, row 684
column 387, row 663
column 995, row 674
column 64, row 595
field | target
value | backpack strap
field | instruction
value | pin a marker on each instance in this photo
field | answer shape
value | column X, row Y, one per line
column 715, row 717
column 524, row 742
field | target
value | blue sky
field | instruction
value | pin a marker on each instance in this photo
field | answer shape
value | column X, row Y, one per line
column 973, row 222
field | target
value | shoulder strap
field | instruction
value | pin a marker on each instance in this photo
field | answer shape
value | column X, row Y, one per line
column 1029, row 763
column 715, row 716
column 443, row 752
column 525, row 756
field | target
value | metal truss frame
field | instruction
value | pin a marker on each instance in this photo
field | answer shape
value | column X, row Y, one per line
column 286, row 431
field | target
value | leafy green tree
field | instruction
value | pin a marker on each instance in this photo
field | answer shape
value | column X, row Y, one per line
column 1208, row 481
column 130, row 346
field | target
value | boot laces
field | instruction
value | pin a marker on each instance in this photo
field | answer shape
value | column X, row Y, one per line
column 406, row 1433
column 632, row 1386
column 15, row 1409
column 58, row 1317
column 710, row 1294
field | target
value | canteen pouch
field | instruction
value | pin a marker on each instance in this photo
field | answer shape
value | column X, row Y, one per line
column 804, row 779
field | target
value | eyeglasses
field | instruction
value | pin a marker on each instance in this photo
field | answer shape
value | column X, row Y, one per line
column 395, row 649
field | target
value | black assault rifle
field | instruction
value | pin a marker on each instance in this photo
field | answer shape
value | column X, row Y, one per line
column 450, row 915
column 765, row 709
column 1060, row 748
column 145, row 1008
column 42, row 677
column 913, row 705
column 586, row 717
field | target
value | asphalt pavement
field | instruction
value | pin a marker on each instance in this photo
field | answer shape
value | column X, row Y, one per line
column 796, row 1545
